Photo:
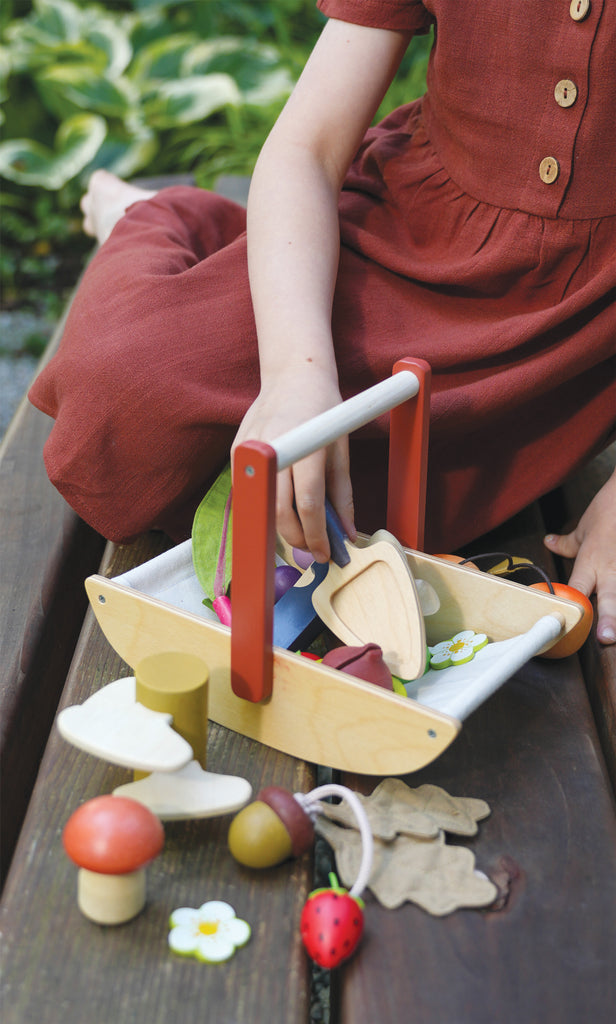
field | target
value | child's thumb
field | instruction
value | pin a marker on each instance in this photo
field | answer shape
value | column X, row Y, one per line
column 566, row 545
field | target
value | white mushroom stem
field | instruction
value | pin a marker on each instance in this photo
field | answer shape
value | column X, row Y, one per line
column 111, row 899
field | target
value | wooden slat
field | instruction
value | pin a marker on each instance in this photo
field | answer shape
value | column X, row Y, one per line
column 562, row 511
column 532, row 752
column 46, row 551
column 56, row 962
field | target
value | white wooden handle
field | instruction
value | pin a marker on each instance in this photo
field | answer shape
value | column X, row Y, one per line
column 319, row 432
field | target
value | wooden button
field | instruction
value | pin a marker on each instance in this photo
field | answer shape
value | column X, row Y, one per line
column 579, row 9
column 549, row 170
column 565, row 92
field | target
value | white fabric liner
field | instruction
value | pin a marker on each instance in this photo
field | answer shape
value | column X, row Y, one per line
column 460, row 689
column 456, row 691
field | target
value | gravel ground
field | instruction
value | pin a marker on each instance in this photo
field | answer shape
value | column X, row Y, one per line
column 17, row 367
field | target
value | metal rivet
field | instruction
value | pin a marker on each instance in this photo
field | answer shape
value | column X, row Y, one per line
column 249, row 471
column 432, row 734
column 101, row 599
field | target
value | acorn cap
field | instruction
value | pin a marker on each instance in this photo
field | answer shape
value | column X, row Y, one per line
column 294, row 818
column 112, row 835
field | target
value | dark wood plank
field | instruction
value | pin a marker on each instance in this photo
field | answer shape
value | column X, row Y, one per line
column 58, row 963
column 45, row 553
column 562, row 511
column 548, row 953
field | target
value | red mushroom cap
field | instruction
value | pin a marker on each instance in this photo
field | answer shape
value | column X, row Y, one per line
column 112, row 835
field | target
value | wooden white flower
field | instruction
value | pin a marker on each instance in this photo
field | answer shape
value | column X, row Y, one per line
column 461, row 648
column 210, row 933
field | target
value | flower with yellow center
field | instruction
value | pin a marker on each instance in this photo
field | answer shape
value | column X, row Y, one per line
column 211, row 933
column 461, row 648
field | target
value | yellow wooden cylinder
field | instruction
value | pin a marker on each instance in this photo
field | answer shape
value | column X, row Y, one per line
column 177, row 684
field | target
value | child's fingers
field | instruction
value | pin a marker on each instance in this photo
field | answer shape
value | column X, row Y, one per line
column 288, row 524
column 309, row 496
column 339, row 487
column 566, row 545
column 606, row 608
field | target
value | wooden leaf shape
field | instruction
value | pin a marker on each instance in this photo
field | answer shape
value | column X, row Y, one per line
column 394, row 808
column 427, row 872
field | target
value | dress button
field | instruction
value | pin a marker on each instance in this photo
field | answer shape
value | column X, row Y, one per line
column 565, row 93
column 549, row 170
column 579, row 9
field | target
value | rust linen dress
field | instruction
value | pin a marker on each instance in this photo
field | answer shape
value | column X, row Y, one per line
column 478, row 232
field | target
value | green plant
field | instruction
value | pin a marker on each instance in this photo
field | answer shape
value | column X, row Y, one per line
column 140, row 87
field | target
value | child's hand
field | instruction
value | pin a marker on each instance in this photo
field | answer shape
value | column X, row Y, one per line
column 593, row 546
column 293, row 398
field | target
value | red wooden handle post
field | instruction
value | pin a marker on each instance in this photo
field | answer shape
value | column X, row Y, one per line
column 408, row 460
column 252, row 570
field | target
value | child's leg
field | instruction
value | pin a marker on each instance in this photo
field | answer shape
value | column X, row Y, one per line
column 106, row 201
column 157, row 365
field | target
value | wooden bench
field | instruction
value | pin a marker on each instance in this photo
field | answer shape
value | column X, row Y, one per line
column 538, row 751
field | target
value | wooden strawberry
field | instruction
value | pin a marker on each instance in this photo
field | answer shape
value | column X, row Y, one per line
column 331, row 924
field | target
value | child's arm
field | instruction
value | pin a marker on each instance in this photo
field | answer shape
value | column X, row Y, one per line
column 293, row 249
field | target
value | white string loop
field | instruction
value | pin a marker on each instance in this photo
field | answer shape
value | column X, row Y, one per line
column 310, row 803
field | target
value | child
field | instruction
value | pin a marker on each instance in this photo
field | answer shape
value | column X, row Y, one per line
column 476, row 228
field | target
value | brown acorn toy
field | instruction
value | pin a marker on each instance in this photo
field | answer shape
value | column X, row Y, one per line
column 270, row 830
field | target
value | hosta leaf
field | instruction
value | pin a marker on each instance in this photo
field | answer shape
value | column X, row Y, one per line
column 75, row 88
column 57, row 20
column 76, row 143
column 169, row 104
column 254, row 67
column 271, row 87
column 162, row 58
column 126, row 155
column 112, row 40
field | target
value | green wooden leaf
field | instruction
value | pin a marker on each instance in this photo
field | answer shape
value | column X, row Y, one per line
column 207, row 534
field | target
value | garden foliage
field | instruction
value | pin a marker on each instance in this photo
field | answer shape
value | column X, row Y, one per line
column 140, row 87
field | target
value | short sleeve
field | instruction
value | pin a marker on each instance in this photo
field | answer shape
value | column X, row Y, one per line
column 398, row 15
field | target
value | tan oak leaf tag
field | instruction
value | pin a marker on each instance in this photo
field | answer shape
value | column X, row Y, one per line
column 393, row 808
column 437, row 877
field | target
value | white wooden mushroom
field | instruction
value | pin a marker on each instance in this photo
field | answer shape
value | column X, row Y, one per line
column 112, row 725
column 188, row 793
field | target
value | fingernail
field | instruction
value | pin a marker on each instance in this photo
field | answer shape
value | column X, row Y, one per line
column 607, row 635
column 549, row 538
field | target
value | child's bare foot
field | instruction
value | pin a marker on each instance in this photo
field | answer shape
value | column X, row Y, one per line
column 106, row 201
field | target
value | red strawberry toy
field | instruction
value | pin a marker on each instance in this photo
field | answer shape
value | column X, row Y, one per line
column 331, row 925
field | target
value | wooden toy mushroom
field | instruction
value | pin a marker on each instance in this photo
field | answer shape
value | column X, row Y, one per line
column 112, row 839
